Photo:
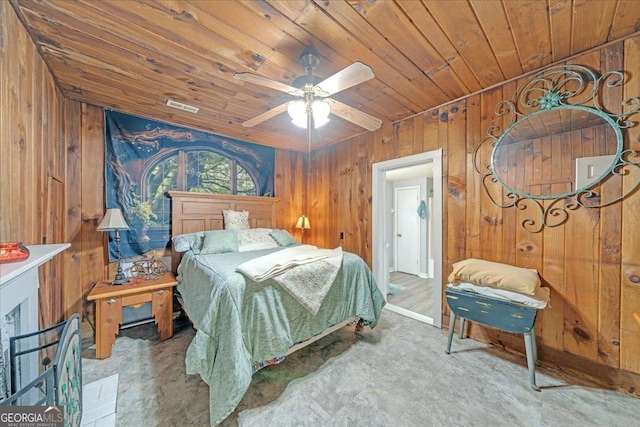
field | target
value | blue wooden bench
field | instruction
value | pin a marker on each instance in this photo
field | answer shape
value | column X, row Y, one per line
column 505, row 315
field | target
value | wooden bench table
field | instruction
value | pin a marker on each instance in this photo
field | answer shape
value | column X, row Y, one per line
column 505, row 315
column 110, row 299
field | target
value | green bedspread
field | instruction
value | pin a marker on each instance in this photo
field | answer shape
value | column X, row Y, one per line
column 240, row 322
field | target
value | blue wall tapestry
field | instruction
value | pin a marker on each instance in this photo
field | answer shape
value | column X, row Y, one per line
column 146, row 158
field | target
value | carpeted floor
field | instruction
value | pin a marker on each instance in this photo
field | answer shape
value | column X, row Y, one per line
column 397, row 374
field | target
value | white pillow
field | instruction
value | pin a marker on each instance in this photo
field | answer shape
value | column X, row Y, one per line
column 235, row 220
column 255, row 239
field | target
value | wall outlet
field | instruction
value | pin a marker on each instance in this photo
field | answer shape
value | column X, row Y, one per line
column 341, row 235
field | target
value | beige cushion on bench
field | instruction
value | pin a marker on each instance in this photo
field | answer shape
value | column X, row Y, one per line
column 495, row 275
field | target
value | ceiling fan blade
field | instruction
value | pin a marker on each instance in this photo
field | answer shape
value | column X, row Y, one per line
column 263, row 81
column 355, row 116
column 354, row 74
column 266, row 115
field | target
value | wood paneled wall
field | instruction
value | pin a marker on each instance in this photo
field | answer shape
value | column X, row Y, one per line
column 36, row 122
column 591, row 263
column 51, row 173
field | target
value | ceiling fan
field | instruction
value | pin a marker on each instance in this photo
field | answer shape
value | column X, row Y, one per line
column 312, row 110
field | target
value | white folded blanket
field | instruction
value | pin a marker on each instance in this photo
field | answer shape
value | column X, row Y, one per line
column 265, row 267
column 539, row 300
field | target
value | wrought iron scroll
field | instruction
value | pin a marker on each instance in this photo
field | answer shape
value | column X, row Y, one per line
column 567, row 87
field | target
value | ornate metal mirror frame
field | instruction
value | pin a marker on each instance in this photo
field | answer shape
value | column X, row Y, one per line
column 556, row 125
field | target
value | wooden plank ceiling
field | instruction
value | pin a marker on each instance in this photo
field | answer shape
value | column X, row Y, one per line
column 133, row 55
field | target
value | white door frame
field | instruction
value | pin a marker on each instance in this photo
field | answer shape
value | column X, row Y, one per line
column 381, row 220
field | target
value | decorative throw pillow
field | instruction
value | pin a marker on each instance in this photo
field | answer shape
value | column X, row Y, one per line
column 283, row 238
column 189, row 241
column 495, row 275
column 219, row 241
column 255, row 239
column 235, row 220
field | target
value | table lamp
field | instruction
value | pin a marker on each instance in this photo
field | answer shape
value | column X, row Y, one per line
column 303, row 224
column 114, row 221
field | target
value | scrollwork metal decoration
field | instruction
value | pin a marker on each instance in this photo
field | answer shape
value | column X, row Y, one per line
column 554, row 121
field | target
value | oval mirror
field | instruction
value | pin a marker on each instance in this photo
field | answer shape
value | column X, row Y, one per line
column 556, row 153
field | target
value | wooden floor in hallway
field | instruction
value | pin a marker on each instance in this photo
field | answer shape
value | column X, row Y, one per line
column 417, row 295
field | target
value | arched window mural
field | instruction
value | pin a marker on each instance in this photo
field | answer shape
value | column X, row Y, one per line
column 198, row 169
column 145, row 159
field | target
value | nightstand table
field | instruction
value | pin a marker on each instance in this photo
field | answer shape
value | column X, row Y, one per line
column 110, row 299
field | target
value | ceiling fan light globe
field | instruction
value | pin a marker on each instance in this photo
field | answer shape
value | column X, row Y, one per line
column 321, row 121
column 298, row 112
column 321, row 109
column 300, row 122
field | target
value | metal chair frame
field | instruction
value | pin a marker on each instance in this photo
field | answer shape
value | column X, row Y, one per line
column 45, row 386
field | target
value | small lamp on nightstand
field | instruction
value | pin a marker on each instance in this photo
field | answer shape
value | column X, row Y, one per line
column 114, row 221
column 303, row 224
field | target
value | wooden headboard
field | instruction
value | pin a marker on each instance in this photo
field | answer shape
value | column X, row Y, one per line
column 192, row 212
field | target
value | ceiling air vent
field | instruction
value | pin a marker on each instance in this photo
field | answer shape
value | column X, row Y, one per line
column 181, row 106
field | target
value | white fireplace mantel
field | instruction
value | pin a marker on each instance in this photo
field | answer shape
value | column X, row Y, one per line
column 19, row 283
column 19, row 280
column 38, row 255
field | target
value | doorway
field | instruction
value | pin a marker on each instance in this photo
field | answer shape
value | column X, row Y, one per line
column 388, row 177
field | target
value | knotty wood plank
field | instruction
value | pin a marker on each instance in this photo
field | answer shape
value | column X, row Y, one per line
column 610, row 227
column 427, row 25
column 404, row 136
column 384, row 147
column 582, row 263
column 365, row 192
column 625, row 21
column 358, row 180
column 407, row 24
column 453, row 130
column 474, row 188
column 94, row 264
column 550, row 320
column 630, row 233
column 466, row 33
column 490, row 229
column 319, row 205
column 440, row 114
column 507, row 217
column 9, row 22
column 530, row 29
column 495, row 25
column 581, row 284
column 291, row 187
column 429, row 127
column 72, row 257
column 19, row 143
column 596, row 16
column 560, row 22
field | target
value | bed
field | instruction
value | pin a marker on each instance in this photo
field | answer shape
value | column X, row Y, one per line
column 243, row 325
